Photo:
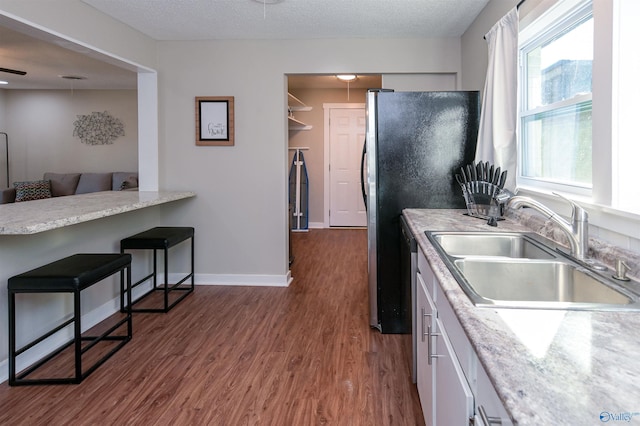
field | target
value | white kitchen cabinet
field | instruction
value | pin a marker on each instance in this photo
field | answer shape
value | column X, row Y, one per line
column 452, row 384
column 425, row 310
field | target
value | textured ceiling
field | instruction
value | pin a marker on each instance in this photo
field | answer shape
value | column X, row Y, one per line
column 45, row 57
column 290, row 19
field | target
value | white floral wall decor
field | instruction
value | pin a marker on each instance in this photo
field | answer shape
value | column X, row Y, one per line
column 98, row 128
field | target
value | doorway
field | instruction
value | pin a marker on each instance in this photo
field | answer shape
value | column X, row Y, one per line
column 311, row 131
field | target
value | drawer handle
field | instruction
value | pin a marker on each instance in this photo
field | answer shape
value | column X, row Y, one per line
column 430, row 356
column 486, row 419
column 423, row 316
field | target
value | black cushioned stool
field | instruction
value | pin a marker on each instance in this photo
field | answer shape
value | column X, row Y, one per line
column 160, row 238
column 69, row 275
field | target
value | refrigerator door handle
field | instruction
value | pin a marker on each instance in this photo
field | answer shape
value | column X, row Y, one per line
column 362, row 175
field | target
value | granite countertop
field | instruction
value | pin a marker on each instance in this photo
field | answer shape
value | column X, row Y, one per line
column 547, row 366
column 31, row 217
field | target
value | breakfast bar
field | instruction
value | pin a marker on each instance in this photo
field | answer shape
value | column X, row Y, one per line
column 34, row 233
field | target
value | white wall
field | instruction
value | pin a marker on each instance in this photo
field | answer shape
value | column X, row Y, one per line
column 40, row 125
column 240, row 213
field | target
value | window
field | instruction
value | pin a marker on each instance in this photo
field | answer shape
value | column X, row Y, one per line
column 556, row 56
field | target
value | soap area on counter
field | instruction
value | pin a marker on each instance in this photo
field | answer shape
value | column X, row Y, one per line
column 546, row 366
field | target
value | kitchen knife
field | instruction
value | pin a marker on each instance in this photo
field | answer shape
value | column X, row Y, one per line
column 503, row 178
column 490, row 175
column 470, row 176
column 496, row 176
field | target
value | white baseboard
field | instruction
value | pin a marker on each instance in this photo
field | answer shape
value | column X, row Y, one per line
column 242, row 280
column 316, row 225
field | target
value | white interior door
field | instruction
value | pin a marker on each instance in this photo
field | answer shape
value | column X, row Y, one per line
column 347, row 132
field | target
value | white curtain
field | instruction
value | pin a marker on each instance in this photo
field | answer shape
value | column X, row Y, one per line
column 498, row 121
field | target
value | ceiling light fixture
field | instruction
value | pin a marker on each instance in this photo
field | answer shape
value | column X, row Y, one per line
column 4, row 82
column 346, row 77
column 72, row 77
column 264, row 4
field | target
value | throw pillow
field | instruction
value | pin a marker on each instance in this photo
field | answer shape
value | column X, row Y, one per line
column 32, row 190
column 63, row 183
column 124, row 180
column 94, row 182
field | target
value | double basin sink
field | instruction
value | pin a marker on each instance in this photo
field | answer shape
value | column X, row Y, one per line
column 525, row 270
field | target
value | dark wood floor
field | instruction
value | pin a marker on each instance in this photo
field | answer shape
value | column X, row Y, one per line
column 302, row 355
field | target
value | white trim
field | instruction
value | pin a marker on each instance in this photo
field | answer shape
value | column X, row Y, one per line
column 316, row 225
column 327, row 153
column 247, row 280
column 148, row 146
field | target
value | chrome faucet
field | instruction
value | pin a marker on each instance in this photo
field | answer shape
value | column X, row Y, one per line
column 577, row 231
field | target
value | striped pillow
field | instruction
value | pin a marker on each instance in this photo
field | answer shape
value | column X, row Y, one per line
column 32, row 190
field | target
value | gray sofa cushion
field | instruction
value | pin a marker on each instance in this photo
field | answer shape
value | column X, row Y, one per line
column 63, row 183
column 7, row 195
column 94, row 182
column 124, row 180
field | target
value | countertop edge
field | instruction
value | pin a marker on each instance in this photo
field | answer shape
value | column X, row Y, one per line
column 37, row 216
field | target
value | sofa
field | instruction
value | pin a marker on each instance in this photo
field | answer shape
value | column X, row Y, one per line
column 61, row 184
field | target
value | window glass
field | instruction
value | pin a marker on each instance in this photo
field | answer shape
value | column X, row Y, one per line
column 557, row 145
column 560, row 68
column 555, row 129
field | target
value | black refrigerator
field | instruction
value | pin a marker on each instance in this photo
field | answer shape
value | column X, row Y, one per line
column 415, row 143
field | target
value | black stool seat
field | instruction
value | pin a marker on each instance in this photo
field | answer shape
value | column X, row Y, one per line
column 69, row 275
column 160, row 238
column 72, row 273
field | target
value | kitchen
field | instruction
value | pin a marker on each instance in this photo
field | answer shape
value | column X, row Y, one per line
column 260, row 214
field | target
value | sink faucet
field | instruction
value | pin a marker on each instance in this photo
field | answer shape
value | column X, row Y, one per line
column 577, row 231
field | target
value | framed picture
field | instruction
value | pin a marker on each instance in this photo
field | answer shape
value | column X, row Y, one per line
column 214, row 120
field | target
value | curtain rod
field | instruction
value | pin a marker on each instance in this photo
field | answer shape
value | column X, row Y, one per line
column 517, row 7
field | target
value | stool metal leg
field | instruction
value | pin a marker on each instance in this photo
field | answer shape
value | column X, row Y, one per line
column 12, row 338
column 77, row 336
column 166, row 279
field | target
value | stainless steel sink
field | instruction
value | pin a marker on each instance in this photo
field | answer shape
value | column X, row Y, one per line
column 507, row 244
column 508, row 281
column 524, row 270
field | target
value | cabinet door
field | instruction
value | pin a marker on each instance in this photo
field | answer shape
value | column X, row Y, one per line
column 425, row 314
column 453, row 394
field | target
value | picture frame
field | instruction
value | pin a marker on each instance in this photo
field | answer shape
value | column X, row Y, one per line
column 214, row 121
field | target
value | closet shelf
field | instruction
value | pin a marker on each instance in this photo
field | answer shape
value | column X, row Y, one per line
column 296, row 105
column 298, row 125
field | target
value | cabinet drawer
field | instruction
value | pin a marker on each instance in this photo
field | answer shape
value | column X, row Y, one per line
column 461, row 344
column 427, row 274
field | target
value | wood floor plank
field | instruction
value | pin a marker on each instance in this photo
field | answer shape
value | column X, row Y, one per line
column 302, row 355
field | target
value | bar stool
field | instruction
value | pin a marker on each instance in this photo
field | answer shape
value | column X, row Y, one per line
column 69, row 275
column 159, row 238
